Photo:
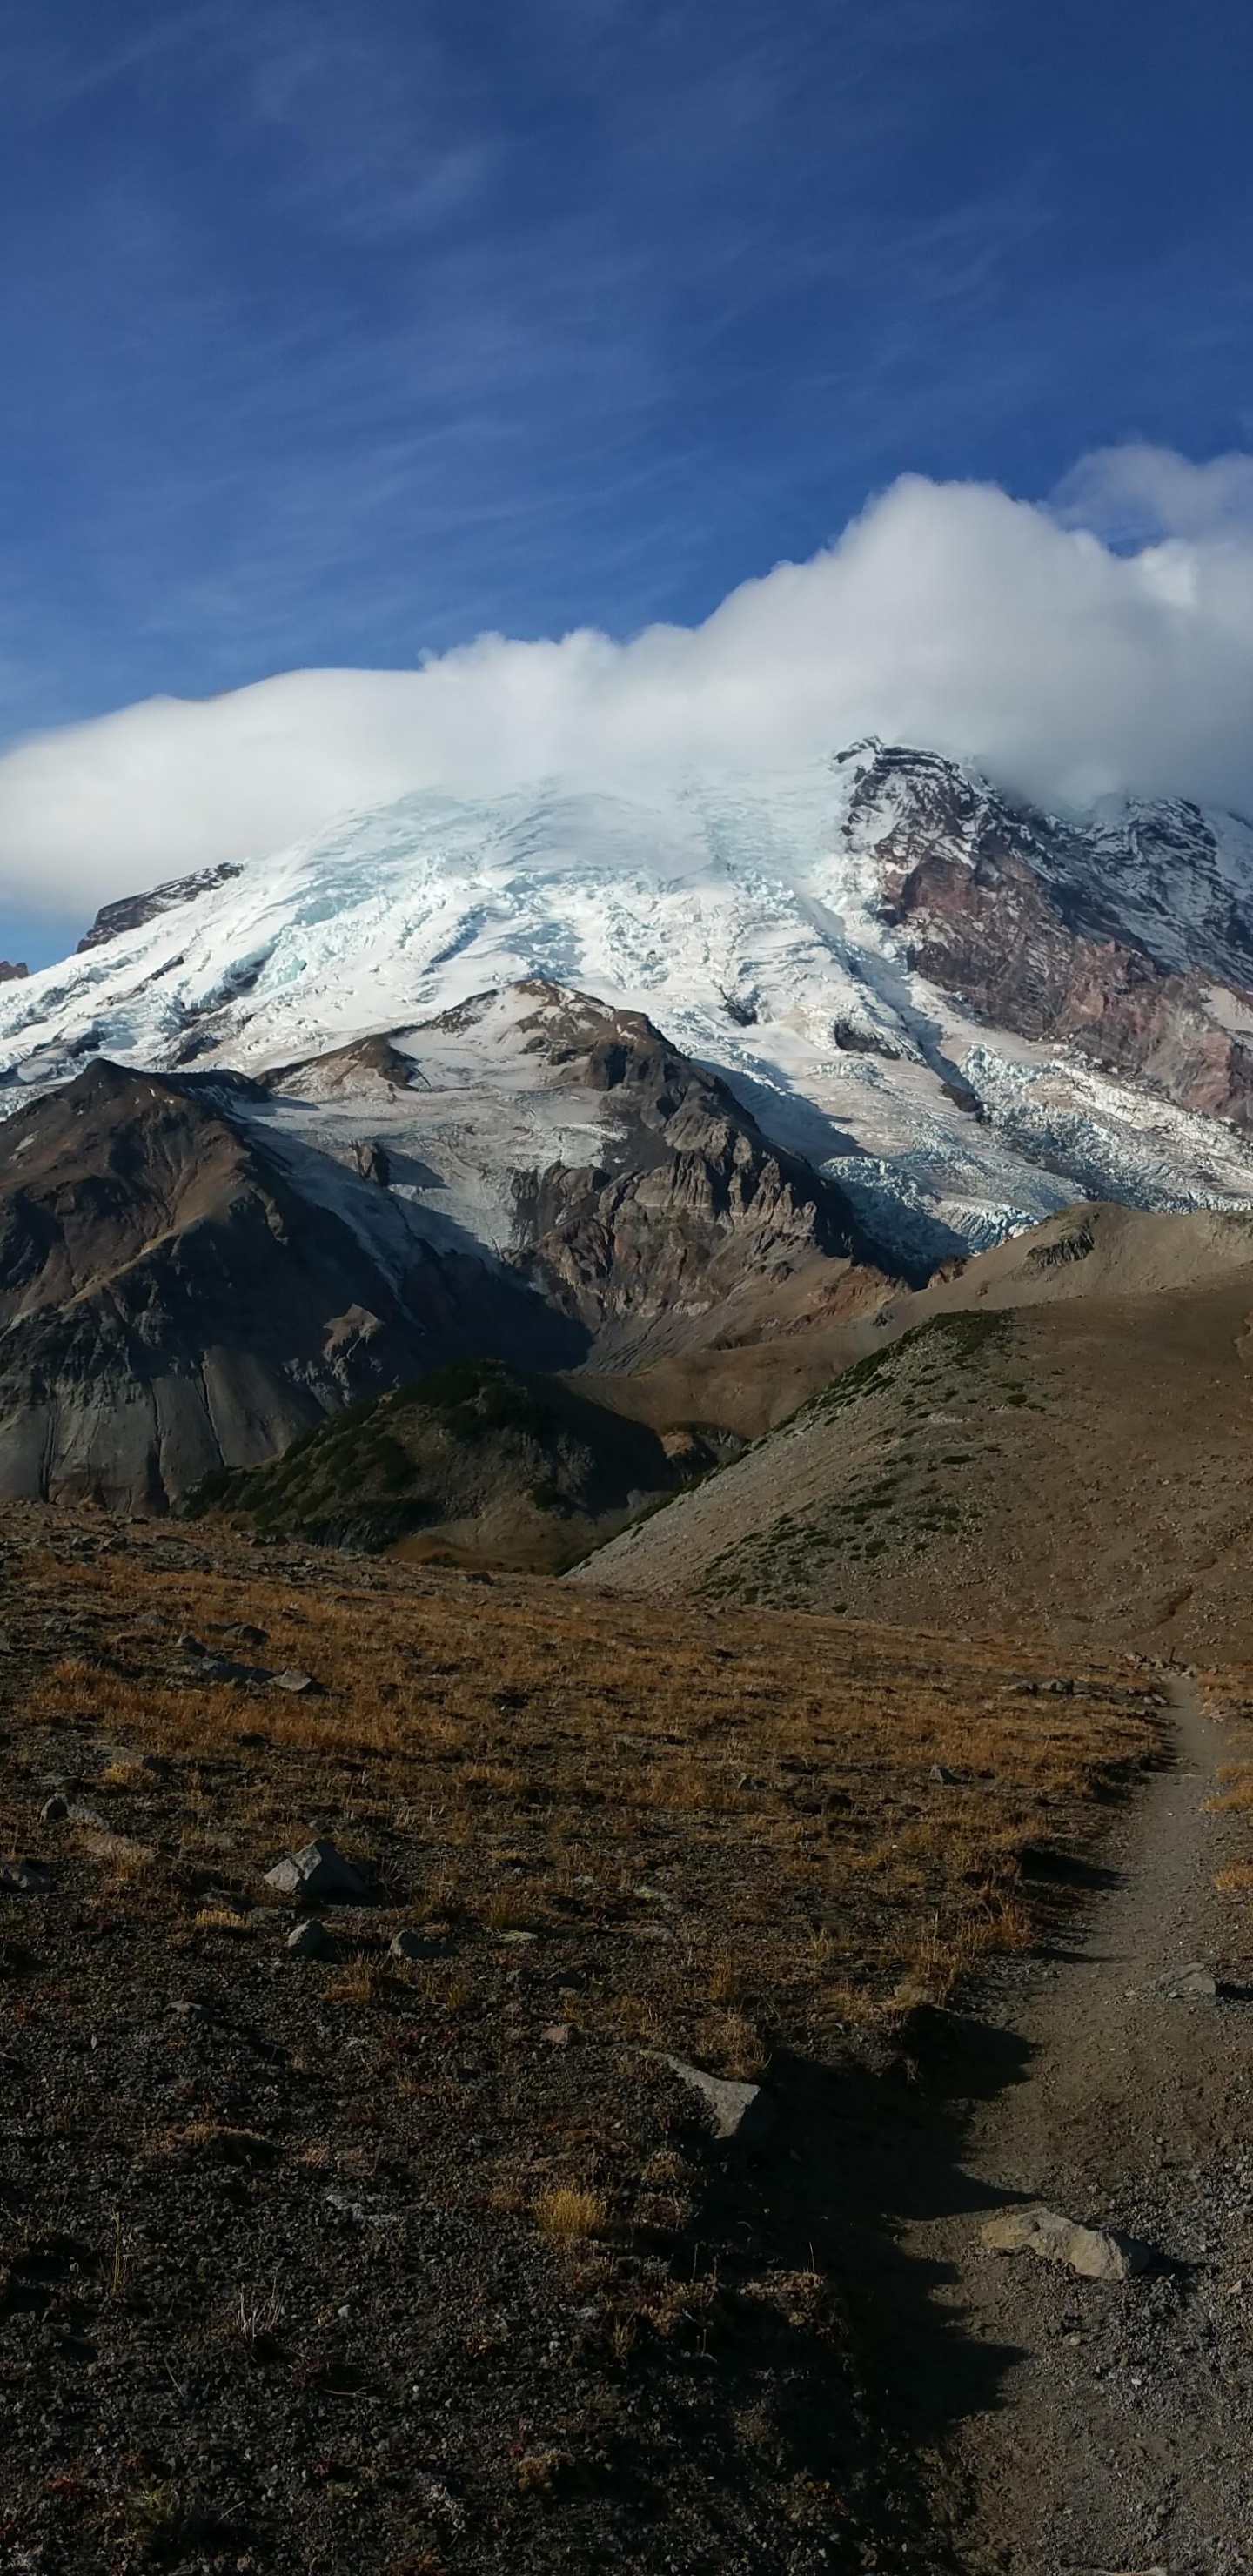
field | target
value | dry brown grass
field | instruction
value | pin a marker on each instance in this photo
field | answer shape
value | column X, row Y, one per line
column 1227, row 1694
column 742, row 1800
column 570, row 2215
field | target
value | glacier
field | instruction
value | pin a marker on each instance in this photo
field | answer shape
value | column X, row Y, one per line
column 745, row 917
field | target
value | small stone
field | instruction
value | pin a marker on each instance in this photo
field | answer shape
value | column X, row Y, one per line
column 189, row 1645
column 317, row 1872
column 310, row 1940
column 740, row 2113
column 558, row 2034
column 294, row 1680
column 943, row 1777
column 54, row 1810
column 22, row 1878
column 1194, row 1984
column 407, row 1944
column 520, row 1940
column 1095, row 2253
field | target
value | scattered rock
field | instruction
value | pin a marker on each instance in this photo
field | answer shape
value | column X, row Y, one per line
column 294, row 1680
column 558, row 2034
column 943, row 1777
column 189, row 1645
column 318, row 1872
column 360, row 2212
column 740, row 2113
column 22, row 1878
column 520, row 1940
column 407, row 1944
column 54, row 1810
column 310, row 1940
column 1095, row 2253
column 1193, row 1984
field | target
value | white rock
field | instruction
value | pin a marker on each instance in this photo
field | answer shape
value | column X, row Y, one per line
column 737, row 2112
column 1095, row 2253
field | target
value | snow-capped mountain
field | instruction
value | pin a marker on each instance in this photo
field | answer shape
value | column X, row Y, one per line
column 962, row 1013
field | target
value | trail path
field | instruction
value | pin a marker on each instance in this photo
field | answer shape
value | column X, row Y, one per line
column 1113, row 2425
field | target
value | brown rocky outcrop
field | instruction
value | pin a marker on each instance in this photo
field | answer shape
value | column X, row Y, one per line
column 688, row 1199
column 1053, row 931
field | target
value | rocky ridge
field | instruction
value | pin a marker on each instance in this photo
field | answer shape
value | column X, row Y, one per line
column 193, row 1275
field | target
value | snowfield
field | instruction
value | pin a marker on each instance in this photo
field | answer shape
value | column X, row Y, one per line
column 744, row 920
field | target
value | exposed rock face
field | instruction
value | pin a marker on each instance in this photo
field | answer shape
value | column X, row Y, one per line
column 170, row 1302
column 1109, row 940
column 188, row 1281
column 689, row 1198
column 10, row 974
column 131, row 911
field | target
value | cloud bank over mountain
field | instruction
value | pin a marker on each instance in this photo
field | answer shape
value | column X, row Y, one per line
column 1103, row 643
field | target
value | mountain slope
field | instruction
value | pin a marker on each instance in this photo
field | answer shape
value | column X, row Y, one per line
column 196, row 1268
column 1062, row 1438
column 960, row 1011
column 169, row 1301
column 475, row 1461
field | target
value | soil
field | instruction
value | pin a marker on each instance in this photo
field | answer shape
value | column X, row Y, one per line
column 1097, row 2426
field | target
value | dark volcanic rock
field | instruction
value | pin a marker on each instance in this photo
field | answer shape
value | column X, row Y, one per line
column 10, row 974
column 131, row 911
column 1110, row 941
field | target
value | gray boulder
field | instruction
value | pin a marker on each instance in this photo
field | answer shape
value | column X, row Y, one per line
column 739, row 2113
column 21, row 1878
column 310, row 1940
column 317, row 1875
column 1193, row 1984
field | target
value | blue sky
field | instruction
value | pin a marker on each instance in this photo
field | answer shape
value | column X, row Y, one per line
column 337, row 331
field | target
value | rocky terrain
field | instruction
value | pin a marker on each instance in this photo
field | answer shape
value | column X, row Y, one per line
column 191, row 1276
column 1041, row 930
column 523, row 2187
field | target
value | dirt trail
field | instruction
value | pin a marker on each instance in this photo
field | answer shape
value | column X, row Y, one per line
column 1107, row 2427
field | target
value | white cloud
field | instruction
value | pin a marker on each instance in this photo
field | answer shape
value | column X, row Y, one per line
column 1135, row 493
column 948, row 615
